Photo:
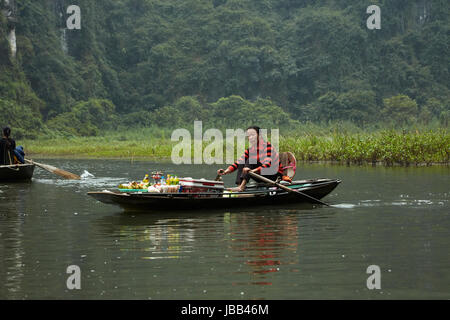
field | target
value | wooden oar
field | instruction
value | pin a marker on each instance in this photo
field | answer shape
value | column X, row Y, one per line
column 59, row 172
column 257, row 176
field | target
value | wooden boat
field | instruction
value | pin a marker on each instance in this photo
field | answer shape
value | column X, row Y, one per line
column 254, row 195
column 16, row 172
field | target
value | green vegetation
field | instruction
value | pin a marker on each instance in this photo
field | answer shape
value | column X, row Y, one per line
column 162, row 64
column 149, row 143
column 386, row 147
column 85, row 118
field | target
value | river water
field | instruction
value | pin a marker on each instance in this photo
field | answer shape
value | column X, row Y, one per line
column 395, row 218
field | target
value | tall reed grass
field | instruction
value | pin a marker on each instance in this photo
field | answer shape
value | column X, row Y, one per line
column 389, row 147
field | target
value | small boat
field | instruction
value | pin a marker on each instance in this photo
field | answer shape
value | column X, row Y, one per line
column 16, row 172
column 255, row 195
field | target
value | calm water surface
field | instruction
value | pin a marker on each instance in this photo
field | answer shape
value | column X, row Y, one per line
column 396, row 218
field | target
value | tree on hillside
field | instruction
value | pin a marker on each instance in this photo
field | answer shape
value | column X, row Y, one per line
column 401, row 109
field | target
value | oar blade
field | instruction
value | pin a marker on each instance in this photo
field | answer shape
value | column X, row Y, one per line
column 66, row 174
column 62, row 173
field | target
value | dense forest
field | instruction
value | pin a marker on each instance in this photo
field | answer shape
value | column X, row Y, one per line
column 229, row 63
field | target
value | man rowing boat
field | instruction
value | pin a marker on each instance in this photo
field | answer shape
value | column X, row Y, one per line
column 260, row 158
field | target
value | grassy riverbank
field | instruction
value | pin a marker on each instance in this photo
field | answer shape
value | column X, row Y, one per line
column 386, row 147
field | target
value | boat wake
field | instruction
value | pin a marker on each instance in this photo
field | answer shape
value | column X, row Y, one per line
column 91, row 182
column 86, row 174
column 402, row 202
column 344, row 206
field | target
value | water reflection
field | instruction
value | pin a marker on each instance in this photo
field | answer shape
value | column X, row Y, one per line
column 12, row 237
column 263, row 243
column 153, row 237
column 168, row 242
column 255, row 245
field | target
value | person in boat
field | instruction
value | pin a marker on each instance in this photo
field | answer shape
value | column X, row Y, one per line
column 260, row 158
column 9, row 154
column 7, row 146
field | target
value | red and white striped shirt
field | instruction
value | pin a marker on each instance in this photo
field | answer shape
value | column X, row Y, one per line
column 264, row 154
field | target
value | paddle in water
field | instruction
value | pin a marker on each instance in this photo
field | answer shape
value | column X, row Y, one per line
column 59, row 172
column 257, row 176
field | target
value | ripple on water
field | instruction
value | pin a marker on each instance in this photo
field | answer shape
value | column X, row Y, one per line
column 344, row 206
column 378, row 203
column 90, row 182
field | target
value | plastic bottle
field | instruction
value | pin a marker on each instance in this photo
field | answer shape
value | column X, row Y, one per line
column 145, row 180
column 163, row 180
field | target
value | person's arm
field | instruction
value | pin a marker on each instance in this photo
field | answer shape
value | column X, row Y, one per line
column 241, row 160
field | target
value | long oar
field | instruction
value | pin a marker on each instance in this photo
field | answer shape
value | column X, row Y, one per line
column 257, row 176
column 59, row 172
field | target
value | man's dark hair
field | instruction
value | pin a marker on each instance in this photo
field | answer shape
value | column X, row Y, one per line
column 7, row 131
